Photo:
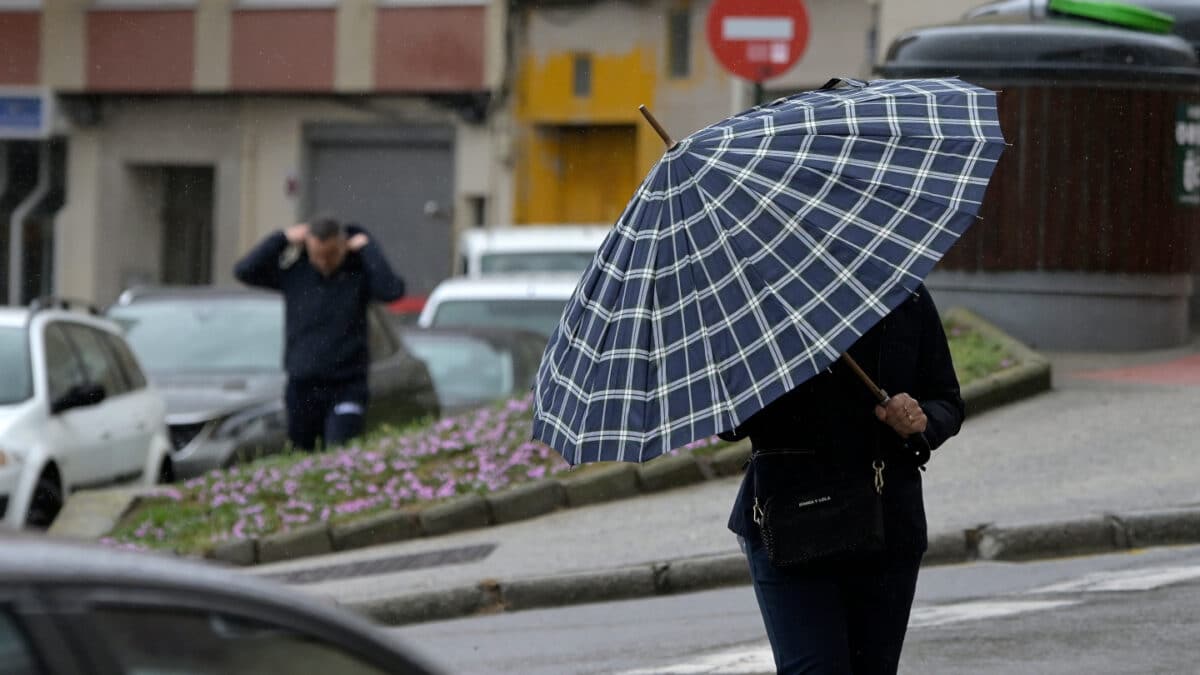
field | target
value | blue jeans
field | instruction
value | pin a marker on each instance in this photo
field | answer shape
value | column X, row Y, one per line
column 846, row 618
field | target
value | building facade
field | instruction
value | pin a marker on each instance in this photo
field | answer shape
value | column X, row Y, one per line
column 154, row 141
column 579, row 146
column 171, row 135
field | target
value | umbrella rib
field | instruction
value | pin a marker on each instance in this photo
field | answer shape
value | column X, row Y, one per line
column 806, row 102
column 568, row 386
column 917, row 247
column 817, row 345
column 739, row 262
column 974, row 157
column 716, row 383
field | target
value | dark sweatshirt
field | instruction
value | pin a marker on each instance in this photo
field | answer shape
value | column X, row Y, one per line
column 325, row 318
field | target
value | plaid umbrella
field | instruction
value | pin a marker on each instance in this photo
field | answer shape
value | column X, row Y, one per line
column 755, row 252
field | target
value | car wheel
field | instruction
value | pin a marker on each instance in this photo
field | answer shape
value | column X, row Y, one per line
column 166, row 472
column 46, row 503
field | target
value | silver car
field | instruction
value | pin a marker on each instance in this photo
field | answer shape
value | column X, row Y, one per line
column 217, row 357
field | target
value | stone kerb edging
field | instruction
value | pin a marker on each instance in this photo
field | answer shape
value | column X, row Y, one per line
column 1109, row 533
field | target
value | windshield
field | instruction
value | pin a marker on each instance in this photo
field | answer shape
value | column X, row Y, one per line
column 17, row 384
column 211, row 335
column 536, row 315
column 463, row 369
column 540, row 261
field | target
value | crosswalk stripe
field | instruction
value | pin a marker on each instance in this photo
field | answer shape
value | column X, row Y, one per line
column 747, row 660
column 940, row 615
column 737, row 661
column 756, row 658
column 1123, row 580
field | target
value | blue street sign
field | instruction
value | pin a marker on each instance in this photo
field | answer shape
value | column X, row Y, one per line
column 23, row 115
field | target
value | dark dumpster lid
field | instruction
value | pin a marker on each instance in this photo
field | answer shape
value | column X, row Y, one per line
column 1008, row 47
column 1186, row 13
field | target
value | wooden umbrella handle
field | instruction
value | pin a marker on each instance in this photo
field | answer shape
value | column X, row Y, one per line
column 880, row 394
column 657, row 127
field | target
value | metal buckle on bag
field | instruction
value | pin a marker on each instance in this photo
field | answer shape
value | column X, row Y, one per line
column 878, row 465
column 756, row 514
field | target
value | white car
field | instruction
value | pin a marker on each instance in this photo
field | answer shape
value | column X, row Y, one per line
column 533, row 303
column 75, row 412
column 529, row 249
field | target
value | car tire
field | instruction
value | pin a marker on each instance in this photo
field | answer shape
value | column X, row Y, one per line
column 47, row 501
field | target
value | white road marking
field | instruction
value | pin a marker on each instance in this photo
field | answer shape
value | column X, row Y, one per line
column 756, row 658
column 1124, row 580
column 737, row 661
column 751, row 659
column 940, row 615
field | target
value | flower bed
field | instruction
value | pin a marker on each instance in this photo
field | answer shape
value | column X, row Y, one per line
column 480, row 452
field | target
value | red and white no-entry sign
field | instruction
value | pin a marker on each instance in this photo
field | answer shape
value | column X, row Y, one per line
column 758, row 39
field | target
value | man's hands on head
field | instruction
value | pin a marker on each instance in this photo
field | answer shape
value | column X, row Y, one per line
column 357, row 242
column 296, row 233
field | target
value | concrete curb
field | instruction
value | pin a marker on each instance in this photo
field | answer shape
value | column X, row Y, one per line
column 454, row 515
column 603, row 484
column 670, row 471
column 1109, row 533
column 383, row 528
column 527, row 501
column 1031, row 376
column 91, row 514
column 597, row 484
column 302, row 542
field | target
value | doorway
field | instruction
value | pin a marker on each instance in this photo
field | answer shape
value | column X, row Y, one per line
column 186, row 222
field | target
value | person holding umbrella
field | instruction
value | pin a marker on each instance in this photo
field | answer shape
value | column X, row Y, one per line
column 850, row 616
column 762, row 260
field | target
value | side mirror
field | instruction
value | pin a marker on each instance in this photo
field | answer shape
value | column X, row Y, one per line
column 79, row 396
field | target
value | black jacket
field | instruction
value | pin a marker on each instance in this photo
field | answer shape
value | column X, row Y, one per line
column 834, row 413
column 326, row 318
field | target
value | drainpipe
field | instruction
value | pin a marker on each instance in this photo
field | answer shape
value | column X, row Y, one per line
column 16, row 229
column 3, row 167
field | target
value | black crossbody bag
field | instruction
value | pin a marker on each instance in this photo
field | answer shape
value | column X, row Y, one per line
column 810, row 509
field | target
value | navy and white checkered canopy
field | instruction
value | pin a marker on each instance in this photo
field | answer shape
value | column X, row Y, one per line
column 754, row 253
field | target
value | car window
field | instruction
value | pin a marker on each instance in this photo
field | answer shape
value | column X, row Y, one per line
column 536, row 261
column 17, row 384
column 17, row 656
column 99, row 362
column 129, row 365
column 205, row 335
column 148, row 642
column 381, row 344
column 464, row 369
column 537, row 315
column 63, row 370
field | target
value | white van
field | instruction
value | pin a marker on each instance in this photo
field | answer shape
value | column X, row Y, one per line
column 529, row 249
column 533, row 303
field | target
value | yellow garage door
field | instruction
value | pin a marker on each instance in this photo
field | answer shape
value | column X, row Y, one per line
column 577, row 174
column 598, row 165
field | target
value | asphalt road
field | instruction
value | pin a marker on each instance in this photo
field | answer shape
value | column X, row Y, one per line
column 1124, row 613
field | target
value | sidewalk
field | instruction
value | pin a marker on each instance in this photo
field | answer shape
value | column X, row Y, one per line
column 1114, row 437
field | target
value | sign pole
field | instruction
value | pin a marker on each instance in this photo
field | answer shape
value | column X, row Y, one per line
column 759, row 94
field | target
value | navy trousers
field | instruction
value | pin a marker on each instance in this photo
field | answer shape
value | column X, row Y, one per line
column 835, row 619
column 335, row 412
